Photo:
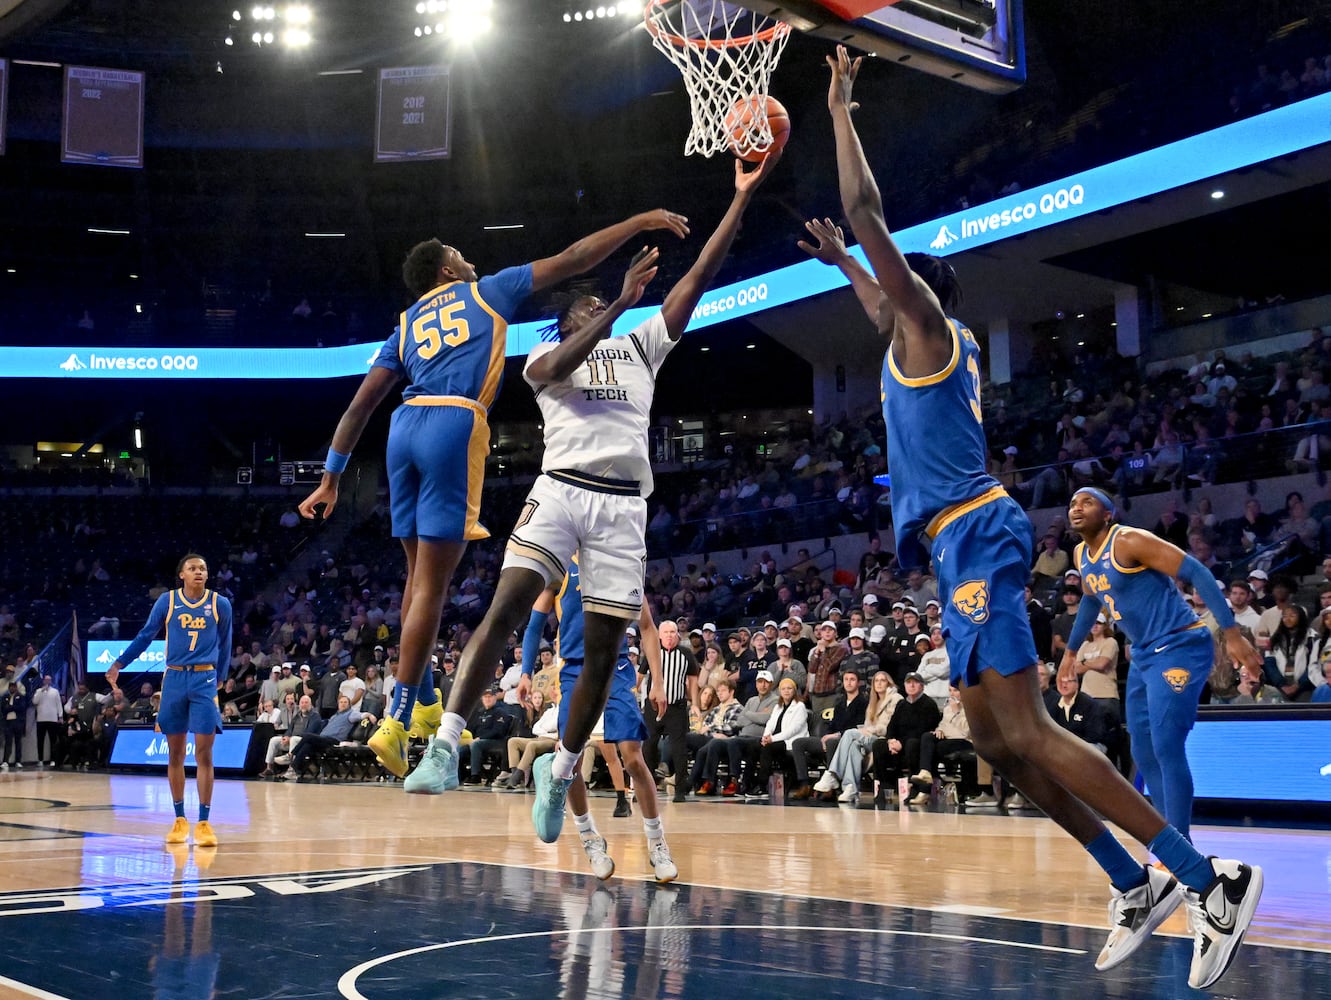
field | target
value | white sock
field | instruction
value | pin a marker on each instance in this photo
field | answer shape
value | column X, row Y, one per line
column 565, row 765
column 585, row 824
column 655, row 835
column 450, row 729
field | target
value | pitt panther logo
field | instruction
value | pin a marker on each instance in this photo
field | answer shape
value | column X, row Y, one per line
column 1177, row 679
column 972, row 600
column 188, row 621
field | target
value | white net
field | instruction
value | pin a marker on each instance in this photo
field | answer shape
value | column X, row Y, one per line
column 726, row 55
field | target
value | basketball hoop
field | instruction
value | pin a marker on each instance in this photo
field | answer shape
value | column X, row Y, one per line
column 726, row 55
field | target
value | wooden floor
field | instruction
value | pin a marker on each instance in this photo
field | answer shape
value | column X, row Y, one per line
column 93, row 835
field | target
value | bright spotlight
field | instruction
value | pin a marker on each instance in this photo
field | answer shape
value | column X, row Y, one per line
column 268, row 38
column 229, row 40
column 577, row 16
column 420, row 8
column 256, row 38
column 439, row 28
column 433, row 6
column 235, row 15
column 298, row 14
column 269, row 13
column 611, row 11
column 429, row 30
column 418, row 31
column 295, row 38
column 567, row 17
column 257, row 13
column 600, row 12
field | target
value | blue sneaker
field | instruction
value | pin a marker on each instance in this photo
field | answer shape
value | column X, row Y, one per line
column 547, row 812
column 437, row 772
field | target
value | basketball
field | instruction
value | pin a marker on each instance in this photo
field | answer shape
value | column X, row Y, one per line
column 743, row 127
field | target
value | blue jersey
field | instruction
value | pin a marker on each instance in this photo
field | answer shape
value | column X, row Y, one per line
column 450, row 342
column 1143, row 602
column 568, row 612
column 935, row 438
column 197, row 632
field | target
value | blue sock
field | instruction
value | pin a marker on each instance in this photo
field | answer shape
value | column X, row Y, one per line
column 1183, row 860
column 404, row 700
column 180, row 808
column 427, row 693
column 204, row 810
column 1124, row 871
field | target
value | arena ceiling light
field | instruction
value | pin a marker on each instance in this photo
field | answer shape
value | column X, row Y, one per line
column 454, row 20
column 264, row 25
column 625, row 8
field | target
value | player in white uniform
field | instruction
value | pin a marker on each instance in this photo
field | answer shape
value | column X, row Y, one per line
column 595, row 396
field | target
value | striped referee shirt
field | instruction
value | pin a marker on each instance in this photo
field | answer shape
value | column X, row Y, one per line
column 677, row 666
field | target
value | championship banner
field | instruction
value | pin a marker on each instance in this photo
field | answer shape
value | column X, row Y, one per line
column 415, row 115
column 103, row 117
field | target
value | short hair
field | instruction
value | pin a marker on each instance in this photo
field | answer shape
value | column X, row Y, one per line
column 180, row 566
column 420, row 271
column 562, row 303
column 939, row 275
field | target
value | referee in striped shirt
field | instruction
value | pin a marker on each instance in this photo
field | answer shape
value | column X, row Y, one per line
column 679, row 675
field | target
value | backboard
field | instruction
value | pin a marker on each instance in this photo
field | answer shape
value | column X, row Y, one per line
column 977, row 43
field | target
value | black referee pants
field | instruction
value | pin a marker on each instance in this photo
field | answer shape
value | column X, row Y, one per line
column 674, row 726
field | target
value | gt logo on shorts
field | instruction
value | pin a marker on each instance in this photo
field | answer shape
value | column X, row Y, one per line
column 972, row 600
column 1177, row 678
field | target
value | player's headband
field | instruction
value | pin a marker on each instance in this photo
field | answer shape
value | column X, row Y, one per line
column 1100, row 495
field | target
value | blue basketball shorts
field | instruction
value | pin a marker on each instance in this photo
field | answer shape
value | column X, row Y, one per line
column 436, row 467
column 189, row 702
column 982, row 559
column 1165, row 680
column 623, row 717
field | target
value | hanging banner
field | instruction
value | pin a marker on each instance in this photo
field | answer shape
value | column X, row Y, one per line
column 415, row 117
column 103, row 117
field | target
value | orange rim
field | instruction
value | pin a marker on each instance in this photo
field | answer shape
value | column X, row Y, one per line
column 679, row 41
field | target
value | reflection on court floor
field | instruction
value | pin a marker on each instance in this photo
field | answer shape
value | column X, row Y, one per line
column 488, row 931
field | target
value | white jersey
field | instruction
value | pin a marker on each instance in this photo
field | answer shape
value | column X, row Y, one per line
column 596, row 420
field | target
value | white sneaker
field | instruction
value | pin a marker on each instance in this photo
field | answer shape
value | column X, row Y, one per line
column 1015, row 801
column 1219, row 916
column 827, row 783
column 603, row 866
column 4, row 766
column 663, row 864
column 1135, row 914
column 983, row 799
column 849, row 794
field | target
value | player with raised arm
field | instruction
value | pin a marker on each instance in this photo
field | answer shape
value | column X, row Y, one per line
column 623, row 722
column 450, row 346
column 595, row 397
column 981, row 552
column 1129, row 574
column 198, row 643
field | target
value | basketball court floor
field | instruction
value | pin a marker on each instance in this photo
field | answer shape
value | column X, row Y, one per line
column 361, row 891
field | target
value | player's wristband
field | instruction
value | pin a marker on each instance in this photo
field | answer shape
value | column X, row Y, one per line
column 336, row 462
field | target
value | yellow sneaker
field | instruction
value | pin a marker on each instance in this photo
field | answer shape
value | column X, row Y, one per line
column 179, row 831
column 425, row 719
column 204, row 835
column 389, row 743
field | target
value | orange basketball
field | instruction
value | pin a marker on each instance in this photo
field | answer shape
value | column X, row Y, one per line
column 743, row 125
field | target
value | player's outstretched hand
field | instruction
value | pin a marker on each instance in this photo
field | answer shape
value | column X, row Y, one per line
column 326, row 494
column 831, row 245
column 844, row 71
column 748, row 180
column 112, row 674
column 638, row 276
column 660, row 218
column 1067, row 668
column 1240, row 650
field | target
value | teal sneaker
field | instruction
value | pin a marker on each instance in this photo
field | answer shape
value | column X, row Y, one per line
column 437, row 772
column 547, row 812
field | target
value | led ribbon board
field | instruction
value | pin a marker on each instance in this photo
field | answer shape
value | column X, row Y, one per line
column 1254, row 140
